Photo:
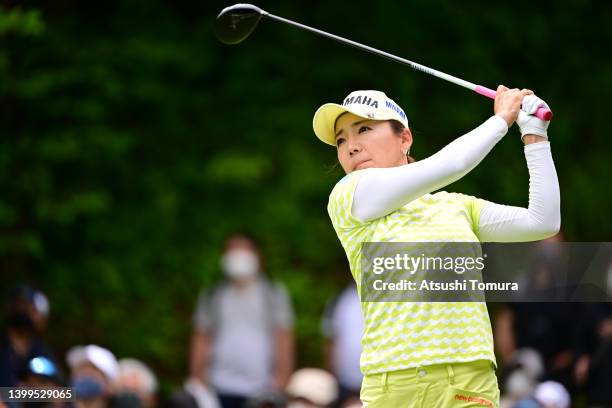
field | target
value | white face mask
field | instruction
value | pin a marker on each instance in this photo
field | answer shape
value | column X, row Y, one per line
column 240, row 263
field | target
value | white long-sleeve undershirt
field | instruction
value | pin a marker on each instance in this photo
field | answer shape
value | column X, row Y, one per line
column 381, row 191
column 542, row 218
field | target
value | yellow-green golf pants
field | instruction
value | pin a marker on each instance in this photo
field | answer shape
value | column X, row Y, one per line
column 454, row 385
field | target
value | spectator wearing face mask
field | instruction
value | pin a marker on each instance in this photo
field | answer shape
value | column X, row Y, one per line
column 242, row 343
column 94, row 372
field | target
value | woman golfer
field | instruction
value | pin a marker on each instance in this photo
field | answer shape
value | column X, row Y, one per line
column 429, row 354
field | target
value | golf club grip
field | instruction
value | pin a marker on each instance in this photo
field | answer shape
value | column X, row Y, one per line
column 542, row 113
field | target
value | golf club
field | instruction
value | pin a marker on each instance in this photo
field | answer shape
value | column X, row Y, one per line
column 237, row 22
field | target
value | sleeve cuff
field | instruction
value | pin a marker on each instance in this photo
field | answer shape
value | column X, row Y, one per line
column 534, row 147
column 499, row 122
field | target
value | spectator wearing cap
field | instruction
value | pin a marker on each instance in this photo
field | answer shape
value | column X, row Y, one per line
column 94, row 374
column 242, row 343
column 551, row 394
column 39, row 372
column 311, row 388
column 520, row 378
column 26, row 312
column 548, row 394
column 137, row 380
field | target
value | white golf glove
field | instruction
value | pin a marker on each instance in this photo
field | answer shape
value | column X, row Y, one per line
column 528, row 123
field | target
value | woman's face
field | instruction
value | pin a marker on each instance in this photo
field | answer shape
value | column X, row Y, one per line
column 364, row 143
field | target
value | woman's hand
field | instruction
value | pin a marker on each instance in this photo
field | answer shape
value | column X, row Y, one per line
column 533, row 129
column 508, row 103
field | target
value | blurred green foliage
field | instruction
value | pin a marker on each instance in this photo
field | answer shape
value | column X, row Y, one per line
column 132, row 143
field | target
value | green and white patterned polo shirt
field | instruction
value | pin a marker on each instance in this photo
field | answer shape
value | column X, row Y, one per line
column 400, row 335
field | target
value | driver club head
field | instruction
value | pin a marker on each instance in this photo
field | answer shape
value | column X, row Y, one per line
column 237, row 22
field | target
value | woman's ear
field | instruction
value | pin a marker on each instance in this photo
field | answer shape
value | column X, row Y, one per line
column 406, row 139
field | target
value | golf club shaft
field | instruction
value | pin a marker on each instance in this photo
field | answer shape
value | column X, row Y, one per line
column 542, row 113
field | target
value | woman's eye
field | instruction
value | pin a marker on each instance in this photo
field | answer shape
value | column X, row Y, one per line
column 339, row 141
column 363, row 129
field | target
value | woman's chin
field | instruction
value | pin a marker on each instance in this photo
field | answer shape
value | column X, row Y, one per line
column 365, row 165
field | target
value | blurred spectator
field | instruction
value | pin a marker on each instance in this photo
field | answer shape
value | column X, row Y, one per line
column 194, row 394
column 181, row 399
column 551, row 394
column 343, row 329
column 26, row 314
column 242, row 344
column 593, row 368
column 540, row 325
column 521, row 377
column 39, row 372
column 94, row 373
column 273, row 399
column 136, row 382
column 312, row 388
column 529, row 402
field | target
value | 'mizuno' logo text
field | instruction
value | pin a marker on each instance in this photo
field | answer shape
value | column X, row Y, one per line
column 396, row 108
column 363, row 100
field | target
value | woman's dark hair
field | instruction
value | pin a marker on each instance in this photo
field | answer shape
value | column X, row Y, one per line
column 398, row 127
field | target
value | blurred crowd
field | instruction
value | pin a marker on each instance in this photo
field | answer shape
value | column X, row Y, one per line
column 242, row 350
